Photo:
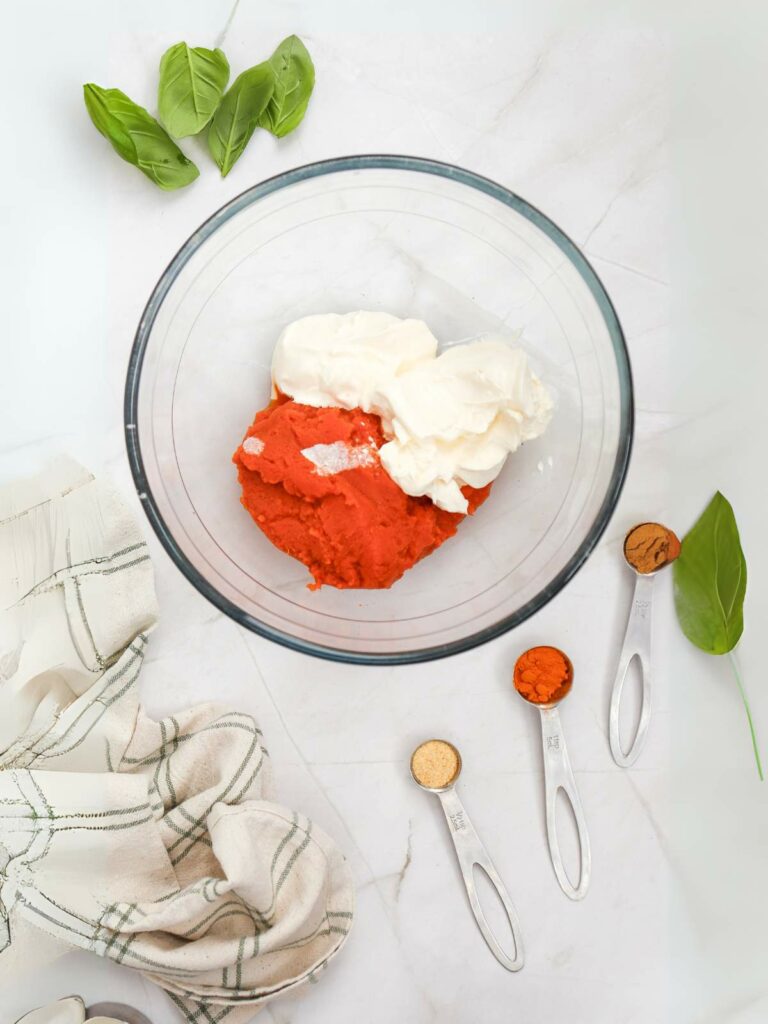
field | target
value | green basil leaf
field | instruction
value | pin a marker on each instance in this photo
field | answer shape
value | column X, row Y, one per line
column 192, row 82
column 294, row 82
column 138, row 138
column 711, row 580
column 238, row 115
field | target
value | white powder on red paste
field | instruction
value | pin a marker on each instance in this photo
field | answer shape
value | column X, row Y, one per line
column 338, row 457
column 253, row 446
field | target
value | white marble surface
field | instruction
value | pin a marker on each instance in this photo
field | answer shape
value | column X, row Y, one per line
column 643, row 142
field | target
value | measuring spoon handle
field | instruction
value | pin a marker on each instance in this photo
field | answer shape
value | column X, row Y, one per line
column 637, row 641
column 470, row 852
column 559, row 775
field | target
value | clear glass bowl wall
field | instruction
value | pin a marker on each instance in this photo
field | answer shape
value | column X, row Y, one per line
column 417, row 239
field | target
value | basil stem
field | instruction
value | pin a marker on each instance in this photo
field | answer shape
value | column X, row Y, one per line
column 740, row 685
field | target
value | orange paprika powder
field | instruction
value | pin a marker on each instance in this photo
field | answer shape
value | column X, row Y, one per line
column 543, row 674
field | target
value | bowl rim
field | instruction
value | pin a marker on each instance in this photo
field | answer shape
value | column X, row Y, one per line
column 422, row 165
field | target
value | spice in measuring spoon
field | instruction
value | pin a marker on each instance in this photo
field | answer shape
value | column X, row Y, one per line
column 543, row 676
column 435, row 766
column 648, row 547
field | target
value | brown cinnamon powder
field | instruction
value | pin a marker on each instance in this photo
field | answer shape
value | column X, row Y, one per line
column 650, row 546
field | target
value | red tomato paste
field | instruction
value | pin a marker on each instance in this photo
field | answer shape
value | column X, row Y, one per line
column 351, row 528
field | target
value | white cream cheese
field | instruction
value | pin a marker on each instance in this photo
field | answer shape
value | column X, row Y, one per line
column 451, row 419
column 454, row 420
column 343, row 359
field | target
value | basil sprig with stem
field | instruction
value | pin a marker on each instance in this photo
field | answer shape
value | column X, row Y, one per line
column 710, row 578
column 138, row 138
column 192, row 82
column 238, row 115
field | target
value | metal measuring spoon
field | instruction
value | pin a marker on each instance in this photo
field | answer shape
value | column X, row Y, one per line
column 469, row 850
column 637, row 642
column 73, row 1010
column 558, row 774
column 115, row 1011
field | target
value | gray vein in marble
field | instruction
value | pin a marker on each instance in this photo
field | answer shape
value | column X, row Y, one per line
column 562, row 957
column 589, row 144
column 676, row 869
column 601, row 219
column 326, row 288
column 625, row 266
column 632, row 180
column 533, row 770
column 684, row 421
column 455, row 296
column 274, row 1010
column 407, row 862
column 302, row 758
column 221, row 37
column 148, row 988
column 728, row 1012
column 653, row 329
column 662, row 412
column 212, row 618
column 12, row 449
column 530, row 77
column 398, row 877
column 444, row 147
column 332, row 764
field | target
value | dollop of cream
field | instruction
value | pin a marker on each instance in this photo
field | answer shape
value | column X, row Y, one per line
column 342, row 360
column 451, row 419
column 455, row 419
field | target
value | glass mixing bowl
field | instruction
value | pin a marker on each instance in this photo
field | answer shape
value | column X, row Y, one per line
column 418, row 239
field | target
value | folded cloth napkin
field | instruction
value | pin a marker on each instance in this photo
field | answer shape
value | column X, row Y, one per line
column 152, row 843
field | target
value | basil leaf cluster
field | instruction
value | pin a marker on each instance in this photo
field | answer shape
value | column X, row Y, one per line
column 191, row 96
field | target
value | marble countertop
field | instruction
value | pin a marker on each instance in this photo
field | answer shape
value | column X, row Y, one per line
column 604, row 124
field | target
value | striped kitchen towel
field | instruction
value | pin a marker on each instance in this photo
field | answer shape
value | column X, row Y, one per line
column 152, row 843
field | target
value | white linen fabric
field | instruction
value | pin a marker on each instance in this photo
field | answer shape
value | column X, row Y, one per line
column 152, row 843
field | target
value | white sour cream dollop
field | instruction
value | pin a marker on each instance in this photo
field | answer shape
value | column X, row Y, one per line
column 451, row 419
